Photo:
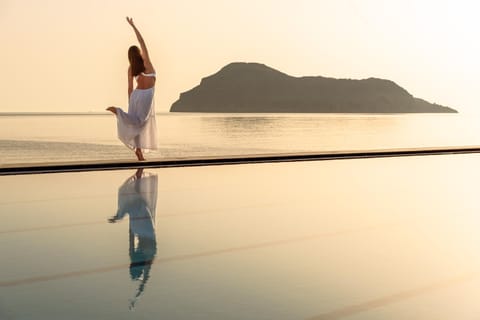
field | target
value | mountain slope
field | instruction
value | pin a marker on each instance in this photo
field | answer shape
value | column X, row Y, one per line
column 253, row 87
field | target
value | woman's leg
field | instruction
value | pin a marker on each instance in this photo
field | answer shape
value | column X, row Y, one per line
column 138, row 151
column 139, row 154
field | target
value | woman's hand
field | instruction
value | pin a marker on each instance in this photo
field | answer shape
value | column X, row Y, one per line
column 130, row 22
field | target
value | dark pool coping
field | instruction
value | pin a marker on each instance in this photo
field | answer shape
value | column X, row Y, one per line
column 39, row 168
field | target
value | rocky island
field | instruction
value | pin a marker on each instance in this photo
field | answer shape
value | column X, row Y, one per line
column 257, row 88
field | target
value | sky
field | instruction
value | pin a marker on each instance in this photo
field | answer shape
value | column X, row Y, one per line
column 71, row 56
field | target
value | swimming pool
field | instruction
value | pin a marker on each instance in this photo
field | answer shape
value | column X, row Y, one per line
column 390, row 238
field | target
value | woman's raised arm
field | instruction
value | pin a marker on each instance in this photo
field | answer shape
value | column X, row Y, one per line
column 143, row 47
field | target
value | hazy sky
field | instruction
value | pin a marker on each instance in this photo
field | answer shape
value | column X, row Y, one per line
column 62, row 55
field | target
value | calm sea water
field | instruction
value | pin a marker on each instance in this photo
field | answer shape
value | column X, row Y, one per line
column 50, row 138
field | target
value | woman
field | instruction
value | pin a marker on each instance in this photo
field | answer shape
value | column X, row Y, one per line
column 137, row 198
column 137, row 128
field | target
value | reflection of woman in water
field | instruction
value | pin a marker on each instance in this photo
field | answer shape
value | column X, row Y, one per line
column 137, row 197
column 137, row 128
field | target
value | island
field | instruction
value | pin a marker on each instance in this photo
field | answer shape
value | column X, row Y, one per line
column 256, row 88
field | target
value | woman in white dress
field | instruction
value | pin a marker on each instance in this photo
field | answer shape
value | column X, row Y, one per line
column 137, row 198
column 137, row 127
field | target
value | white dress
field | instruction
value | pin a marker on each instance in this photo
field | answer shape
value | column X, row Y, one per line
column 137, row 128
column 137, row 197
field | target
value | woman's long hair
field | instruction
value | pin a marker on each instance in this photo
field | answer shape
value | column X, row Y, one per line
column 136, row 60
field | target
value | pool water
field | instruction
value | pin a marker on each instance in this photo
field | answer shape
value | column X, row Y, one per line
column 393, row 238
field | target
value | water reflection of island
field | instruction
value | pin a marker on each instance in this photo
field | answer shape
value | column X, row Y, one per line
column 137, row 197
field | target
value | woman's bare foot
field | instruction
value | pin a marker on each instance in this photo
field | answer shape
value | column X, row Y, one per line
column 112, row 110
column 139, row 154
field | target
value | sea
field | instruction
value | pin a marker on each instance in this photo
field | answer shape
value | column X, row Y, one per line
column 53, row 137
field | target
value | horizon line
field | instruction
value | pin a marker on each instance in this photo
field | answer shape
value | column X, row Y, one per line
column 39, row 113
